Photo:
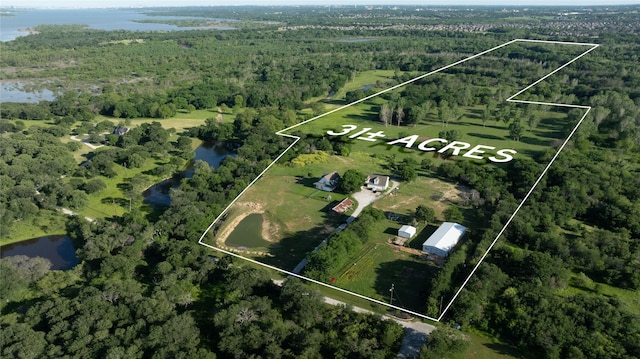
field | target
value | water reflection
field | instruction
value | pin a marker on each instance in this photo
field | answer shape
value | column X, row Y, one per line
column 56, row 248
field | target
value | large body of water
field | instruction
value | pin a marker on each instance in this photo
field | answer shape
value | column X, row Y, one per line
column 16, row 25
column 57, row 248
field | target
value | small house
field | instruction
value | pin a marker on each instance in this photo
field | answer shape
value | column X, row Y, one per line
column 328, row 182
column 407, row 231
column 377, row 183
column 120, row 130
column 442, row 241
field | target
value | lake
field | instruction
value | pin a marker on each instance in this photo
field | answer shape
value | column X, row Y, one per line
column 211, row 152
column 248, row 233
column 15, row 26
column 56, row 248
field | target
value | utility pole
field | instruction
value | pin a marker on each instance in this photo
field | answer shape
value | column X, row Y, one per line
column 391, row 294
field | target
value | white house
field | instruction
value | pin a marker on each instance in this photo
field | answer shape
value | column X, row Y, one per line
column 377, row 183
column 442, row 241
column 328, row 182
column 407, row 231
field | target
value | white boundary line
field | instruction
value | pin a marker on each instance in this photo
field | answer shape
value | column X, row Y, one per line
column 510, row 99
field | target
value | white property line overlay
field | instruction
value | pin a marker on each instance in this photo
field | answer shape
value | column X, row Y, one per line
column 482, row 258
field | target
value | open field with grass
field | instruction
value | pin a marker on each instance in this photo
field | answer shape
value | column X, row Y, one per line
column 425, row 190
column 361, row 79
column 181, row 121
column 495, row 134
column 45, row 224
column 481, row 346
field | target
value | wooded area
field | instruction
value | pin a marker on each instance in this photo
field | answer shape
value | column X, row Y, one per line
column 562, row 282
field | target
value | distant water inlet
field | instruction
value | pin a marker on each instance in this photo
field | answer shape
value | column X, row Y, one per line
column 248, row 233
column 58, row 249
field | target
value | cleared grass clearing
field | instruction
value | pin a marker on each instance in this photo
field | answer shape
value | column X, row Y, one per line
column 481, row 346
column 363, row 79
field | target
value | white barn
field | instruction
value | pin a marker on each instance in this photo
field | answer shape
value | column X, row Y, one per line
column 442, row 241
column 407, row 231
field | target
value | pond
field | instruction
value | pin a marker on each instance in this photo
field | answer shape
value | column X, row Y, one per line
column 16, row 92
column 248, row 233
column 211, row 152
column 56, row 248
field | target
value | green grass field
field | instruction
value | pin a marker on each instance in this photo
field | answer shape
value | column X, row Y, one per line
column 581, row 284
column 495, row 134
column 482, row 346
column 45, row 224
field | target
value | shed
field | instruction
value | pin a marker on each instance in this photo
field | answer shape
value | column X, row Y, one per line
column 407, row 231
column 442, row 241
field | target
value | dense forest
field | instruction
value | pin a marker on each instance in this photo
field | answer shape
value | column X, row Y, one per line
column 562, row 281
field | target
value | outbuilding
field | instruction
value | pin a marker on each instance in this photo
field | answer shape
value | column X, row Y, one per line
column 407, row 231
column 442, row 241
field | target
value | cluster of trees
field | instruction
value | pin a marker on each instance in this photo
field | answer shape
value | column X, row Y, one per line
column 140, row 294
column 342, row 247
column 31, row 168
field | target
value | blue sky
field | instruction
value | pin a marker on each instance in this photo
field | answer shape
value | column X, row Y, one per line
column 151, row 3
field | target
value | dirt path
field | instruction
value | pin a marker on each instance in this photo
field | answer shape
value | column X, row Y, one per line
column 69, row 212
column 92, row 146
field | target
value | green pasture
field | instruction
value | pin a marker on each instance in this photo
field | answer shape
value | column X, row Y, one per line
column 496, row 134
column 422, row 191
column 483, row 346
column 361, row 161
column 46, row 223
column 181, row 121
column 363, row 79
column 379, row 265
